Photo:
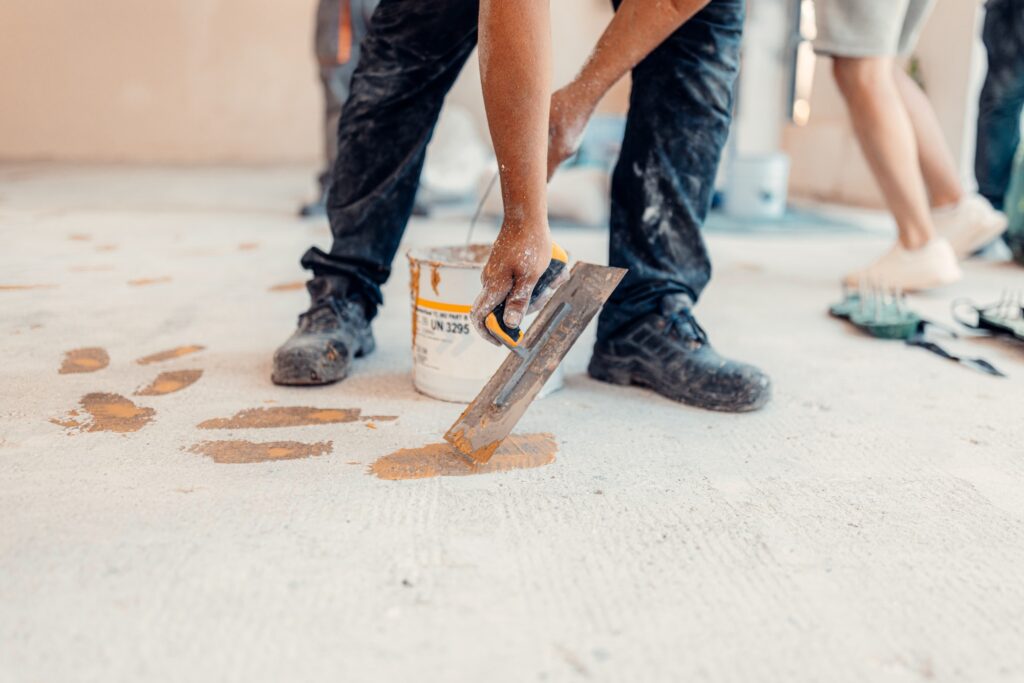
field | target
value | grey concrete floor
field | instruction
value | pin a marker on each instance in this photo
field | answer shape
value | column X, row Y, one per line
column 867, row 526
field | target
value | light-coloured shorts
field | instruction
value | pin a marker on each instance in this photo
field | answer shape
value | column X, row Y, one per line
column 869, row 28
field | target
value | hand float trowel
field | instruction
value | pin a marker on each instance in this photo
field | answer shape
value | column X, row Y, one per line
column 534, row 356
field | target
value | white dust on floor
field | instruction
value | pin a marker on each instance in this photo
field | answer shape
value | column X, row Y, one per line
column 867, row 526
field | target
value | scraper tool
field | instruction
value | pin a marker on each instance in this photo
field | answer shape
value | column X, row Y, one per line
column 495, row 411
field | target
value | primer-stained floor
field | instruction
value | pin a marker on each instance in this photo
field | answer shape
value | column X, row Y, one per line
column 167, row 514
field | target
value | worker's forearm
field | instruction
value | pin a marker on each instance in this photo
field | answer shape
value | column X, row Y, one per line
column 515, row 71
column 639, row 26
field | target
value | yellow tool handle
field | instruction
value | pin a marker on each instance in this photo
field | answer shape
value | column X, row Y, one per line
column 495, row 321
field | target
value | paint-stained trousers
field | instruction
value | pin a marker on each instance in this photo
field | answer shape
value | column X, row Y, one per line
column 680, row 110
column 1002, row 98
column 340, row 28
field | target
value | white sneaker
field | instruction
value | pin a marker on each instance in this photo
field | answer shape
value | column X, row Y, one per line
column 969, row 225
column 933, row 265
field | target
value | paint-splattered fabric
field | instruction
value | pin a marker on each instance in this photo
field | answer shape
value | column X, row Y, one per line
column 680, row 111
column 409, row 60
column 1002, row 98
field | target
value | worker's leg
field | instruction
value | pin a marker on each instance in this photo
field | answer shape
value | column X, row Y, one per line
column 886, row 136
column 340, row 29
column 933, row 155
column 337, row 77
column 680, row 110
column 409, row 60
column 964, row 219
column 325, row 45
column 920, row 259
column 1002, row 98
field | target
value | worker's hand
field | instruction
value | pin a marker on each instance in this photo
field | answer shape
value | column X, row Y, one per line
column 519, row 257
column 571, row 109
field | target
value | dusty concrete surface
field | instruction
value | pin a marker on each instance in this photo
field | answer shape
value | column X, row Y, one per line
column 867, row 526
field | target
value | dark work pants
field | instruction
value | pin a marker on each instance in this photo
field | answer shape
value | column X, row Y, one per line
column 680, row 110
column 1002, row 98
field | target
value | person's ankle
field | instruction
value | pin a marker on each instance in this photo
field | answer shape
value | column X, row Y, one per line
column 913, row 242
column 946, row 202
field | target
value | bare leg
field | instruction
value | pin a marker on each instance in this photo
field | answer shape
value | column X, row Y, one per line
column 933, row 153
column 886, row 136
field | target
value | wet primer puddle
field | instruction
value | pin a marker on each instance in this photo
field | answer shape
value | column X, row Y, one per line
column 519, row 451
column 170, row 382
column 243, row 452
column 290, row 416
column 145, row 281
column 88, row 359
column 170, row 354
column 106, row 413
column 288, row 286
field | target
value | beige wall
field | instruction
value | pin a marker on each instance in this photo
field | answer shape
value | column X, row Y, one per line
column 185, row 80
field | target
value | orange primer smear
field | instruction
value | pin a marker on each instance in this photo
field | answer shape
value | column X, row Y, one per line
column 22, row 288
column 144, row 281
column 107, row 413
column 170, row 382
column 290, row 416
column 414, row 279
column 170, row 354
column 246, row 452
column 524, row 451
column 288, row 286
column 88, row 359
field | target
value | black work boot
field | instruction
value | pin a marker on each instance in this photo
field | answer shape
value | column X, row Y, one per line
column 330, row 334
column 670, row 353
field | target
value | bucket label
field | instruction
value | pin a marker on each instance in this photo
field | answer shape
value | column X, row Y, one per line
column 445, row 340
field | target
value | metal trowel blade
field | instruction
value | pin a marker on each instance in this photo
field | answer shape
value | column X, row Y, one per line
column 495, row 411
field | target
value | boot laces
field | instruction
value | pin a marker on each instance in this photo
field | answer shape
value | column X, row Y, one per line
column 319, row 317
column 685, row 325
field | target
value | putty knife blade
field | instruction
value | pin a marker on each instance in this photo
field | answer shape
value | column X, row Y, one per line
column 495, row 411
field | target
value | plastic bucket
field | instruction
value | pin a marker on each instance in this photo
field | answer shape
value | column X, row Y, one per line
column 757, row 186
column 449, row 359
